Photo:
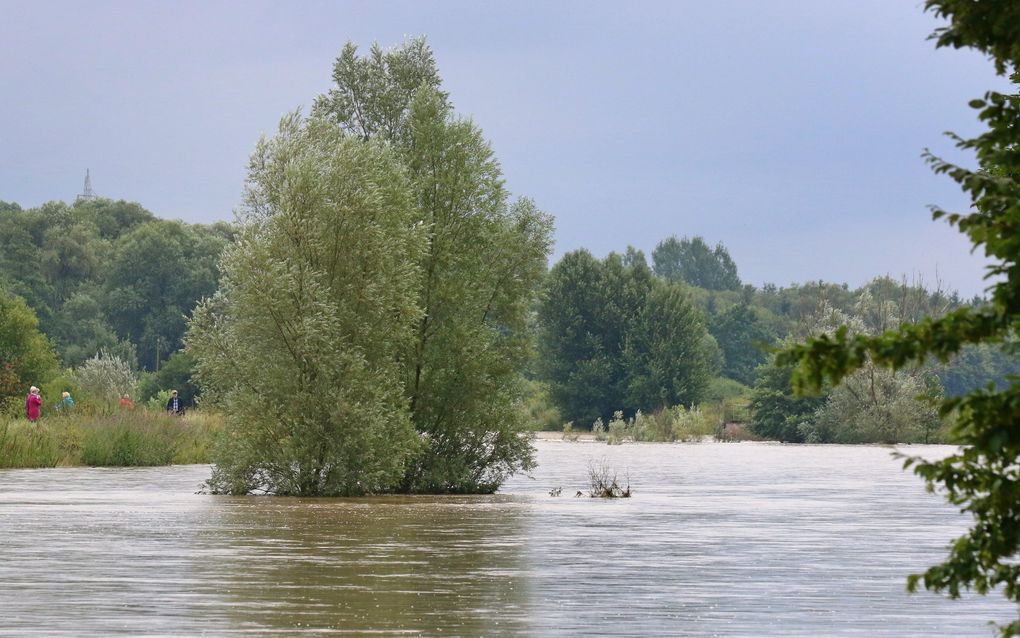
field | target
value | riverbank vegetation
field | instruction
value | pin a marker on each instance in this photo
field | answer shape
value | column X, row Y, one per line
column 983, row 477
column 139, row 438
column 385, row 204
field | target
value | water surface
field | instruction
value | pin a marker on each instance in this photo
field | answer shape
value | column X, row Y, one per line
column 718, row 540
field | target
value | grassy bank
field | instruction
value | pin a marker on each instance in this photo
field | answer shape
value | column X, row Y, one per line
column 131, row 439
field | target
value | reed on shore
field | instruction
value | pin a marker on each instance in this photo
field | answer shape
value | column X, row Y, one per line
column 137, row 438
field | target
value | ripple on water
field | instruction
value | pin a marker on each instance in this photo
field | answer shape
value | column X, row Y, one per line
column 718, row 540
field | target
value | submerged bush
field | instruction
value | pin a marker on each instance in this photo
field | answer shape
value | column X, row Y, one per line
column 603, row 482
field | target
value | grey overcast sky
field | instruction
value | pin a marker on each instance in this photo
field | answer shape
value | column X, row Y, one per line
column 789, row 130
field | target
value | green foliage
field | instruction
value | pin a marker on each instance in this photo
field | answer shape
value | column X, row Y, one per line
column 53, row 389
column 662, row 426
column 482, row 262
column 82, row 329
column 175, row 374
column 106, row 275
column 793, row 309
column 582, row 324
column 611, row 335
column 125, row 446
column 159, row 270
column 27, row 444
column 876, row 405
column 983, row 479
column 26, row 356
column 158, row 401
column 105, row 378
column 301, row 347
column 669, row 357
column 872, row 406
column 693, row 424
column 977, row 365
column 123, row 440
column 723, row 389
column 744, row 342
column 732, row 399
column 777, row 413
column 692, row 261
column 542, row 414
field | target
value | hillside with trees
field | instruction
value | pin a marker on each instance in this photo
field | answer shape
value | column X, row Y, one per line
column 102, row 276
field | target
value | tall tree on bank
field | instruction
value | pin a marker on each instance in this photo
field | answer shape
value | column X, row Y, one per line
column 743, row 340
column 694, row 262
column 483, row 260
column 157, row 273
column 26, row 356
column 301, row 346
column 584, row 319
column 984, row 477
column 613, row 337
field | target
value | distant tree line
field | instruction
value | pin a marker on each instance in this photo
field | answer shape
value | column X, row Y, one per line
column 613, row 334
column 104, row 276
column 618, row 335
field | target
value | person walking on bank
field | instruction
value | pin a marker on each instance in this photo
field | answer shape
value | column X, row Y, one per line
column 32, row 404
column 126, row 403
column 66, row 402
column 174, row 405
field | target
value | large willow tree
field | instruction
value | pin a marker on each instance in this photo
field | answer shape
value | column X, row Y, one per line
column 483, row 260
column 302, row 345
column 372, row 325
column 983, row 478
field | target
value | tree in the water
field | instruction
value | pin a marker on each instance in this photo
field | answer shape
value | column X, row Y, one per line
column 983, row 478
column 483, row 260
column 372, row 326
column 302, row 346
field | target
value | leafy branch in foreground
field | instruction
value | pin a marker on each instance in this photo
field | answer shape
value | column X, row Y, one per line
column 983, row 478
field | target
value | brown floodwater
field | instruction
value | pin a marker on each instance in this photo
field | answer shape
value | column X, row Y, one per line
column 739, row 539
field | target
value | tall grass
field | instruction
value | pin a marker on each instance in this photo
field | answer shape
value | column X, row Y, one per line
column 674, row 424
column 128, row 439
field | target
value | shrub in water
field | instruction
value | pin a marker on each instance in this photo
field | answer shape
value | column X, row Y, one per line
column 602, row 481
column 618, row 429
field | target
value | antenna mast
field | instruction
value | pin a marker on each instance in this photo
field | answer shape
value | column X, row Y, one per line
column 88, row 194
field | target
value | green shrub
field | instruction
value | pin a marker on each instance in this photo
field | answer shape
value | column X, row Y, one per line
column 158, row 402
column 657, row 426
column 721, row 389
column 693, row 424
column 619, row 429
column 541, row 413
column 569, row 434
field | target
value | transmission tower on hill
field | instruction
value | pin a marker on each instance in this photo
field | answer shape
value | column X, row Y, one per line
column 88, row 194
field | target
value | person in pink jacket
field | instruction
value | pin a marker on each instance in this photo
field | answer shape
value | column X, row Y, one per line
column 32, row 403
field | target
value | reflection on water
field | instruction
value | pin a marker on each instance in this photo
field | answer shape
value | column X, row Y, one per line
column 719, row 540
column 382, row 565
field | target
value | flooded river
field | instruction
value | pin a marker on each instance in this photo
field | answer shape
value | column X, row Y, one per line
column 718, row 540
